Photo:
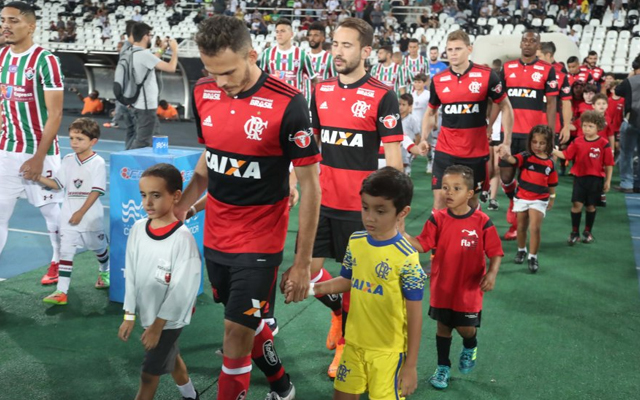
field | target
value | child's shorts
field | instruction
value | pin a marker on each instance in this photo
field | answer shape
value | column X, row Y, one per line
column 162, row 359
column 371, row 371
column 520, row 205
column 453, row 318
column 587, row 190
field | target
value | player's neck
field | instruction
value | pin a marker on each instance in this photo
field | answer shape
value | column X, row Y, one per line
column 254, row 76
column 419, row 92
column 18, row 48
column 462, row 209
column 285, row 47
column 354, row 76
column 387, row 63
column 414, row 57
column 528, row 60
column 403, row 115
column 591, row 138
column 164, row 220
column 462, row 68
column 317, row 50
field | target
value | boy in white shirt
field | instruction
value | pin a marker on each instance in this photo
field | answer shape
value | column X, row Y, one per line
column 411, row 128
column 162, row 278
column 83, row 178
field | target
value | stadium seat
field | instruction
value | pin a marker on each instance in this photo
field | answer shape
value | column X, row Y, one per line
column 492, row 21
column 536, row 22
column 548, row 23
column 481, row 21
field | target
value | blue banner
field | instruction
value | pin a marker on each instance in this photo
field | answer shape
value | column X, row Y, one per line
column 126, row 203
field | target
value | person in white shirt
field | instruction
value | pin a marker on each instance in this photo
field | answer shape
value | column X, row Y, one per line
column 83, row 177
column 420, row 95
column 411, row 127
column 162, row 278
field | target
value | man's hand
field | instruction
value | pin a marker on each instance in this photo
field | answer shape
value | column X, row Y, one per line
column 424, row 147
column 150, row 337
column 565, row 133
column 32, row 168
column 294, row 196
column 125, row 330
column 408, row 378
column 76, row 217
column 296, row 280
column 504, row 150
column 488, row 282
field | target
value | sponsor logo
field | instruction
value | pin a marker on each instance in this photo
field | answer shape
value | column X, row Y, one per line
column 538, row 67
column 497, row 88
column 532, row 168
column 255, row 309
column 594, row 152
column 366, row 92
column 261, row 102
column 16, row 93
column 513, row 75
column 382, row 270
column 77, row 183
column 269, row 352
column 324, row 106
column 512, row 66
column 207, row 122
column 13, row 69
column 132, row 211
column 340, row 138
column 469, row 239
column 360, row 108
column 133, row 174
column 445, row 78
column 208, row 94
column 536, row 76
column 390, row 121
column 475, row 75
column 233, row 167
column 454, row 109
column 242, row 395
column 474, row 87
column 471, row 315
column 302, row 139
column 342, row 372
column 470, row 233
column 446, row 90
column 367, row 287
column 327, row 88
column 516, row 92
column 254, row 128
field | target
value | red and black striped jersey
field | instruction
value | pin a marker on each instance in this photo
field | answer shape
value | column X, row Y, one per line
column 251, row 140
column 564, row 94
column 536, row 176
column 582, row 76
column 527, row 86
column 589, row 157
column 597, row 74
column 463, row 98
column 351, row 120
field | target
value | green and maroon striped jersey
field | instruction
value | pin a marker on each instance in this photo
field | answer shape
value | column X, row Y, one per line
column 394, row 76
column 292, row 66
column 323, row 65
column 416, row 66
column 23, row 80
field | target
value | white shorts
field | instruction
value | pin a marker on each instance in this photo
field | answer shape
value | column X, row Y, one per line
column 70, row 239
column 12, row 186
column 520, row 205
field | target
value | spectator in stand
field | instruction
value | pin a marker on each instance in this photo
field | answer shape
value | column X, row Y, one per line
column 60, row 24
column 390, row 21
column 106, row 32
column 359, row 6
column 136, row 16
column 435, row 66
column 92, row 104
column 53, row 27
column 344, row 14
column 71, row 23
column 333, row 5
column 437, row 7
column 377, row 18
column 423, row 20
column 404, row 43
column 70, row 35
column 167, row 112
column 200, row 16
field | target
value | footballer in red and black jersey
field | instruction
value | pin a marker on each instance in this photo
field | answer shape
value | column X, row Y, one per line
column 527, row 86
column 589, row 157
column 596, row 74
column 351, row 121
column 537, row 175
column 463, row 243
column 582, row 77
column 563, row 95
column 463, row 98
column 251, row 140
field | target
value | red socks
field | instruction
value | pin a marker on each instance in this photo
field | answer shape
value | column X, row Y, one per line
column 234, row 378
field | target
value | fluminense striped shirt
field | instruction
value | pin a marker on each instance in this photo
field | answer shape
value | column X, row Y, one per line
column 323, row 64
column 292, row 66
column 23, row 80
column 394, row 76
column 416, row 66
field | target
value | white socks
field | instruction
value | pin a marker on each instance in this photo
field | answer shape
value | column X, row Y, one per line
column 187, row 390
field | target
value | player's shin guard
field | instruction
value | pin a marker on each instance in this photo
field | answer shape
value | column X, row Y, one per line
column 51, row 214
column 265, row 356
column 510, row 188
column 233, row 382
column 103, row 259
column 330, row 300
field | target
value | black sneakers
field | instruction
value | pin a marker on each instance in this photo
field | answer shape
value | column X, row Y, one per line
column 573, row 238
column 520, row 257
column 533, row 265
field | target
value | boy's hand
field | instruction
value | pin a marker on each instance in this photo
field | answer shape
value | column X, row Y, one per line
column 606, row 187
column 76, row 217
column 150, row 338
column 294, row 196
column 550, row 204
column 408, row 380
column 488, row 282
column 125, row 330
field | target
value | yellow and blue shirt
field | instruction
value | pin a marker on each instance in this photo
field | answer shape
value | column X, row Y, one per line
column 383, row 274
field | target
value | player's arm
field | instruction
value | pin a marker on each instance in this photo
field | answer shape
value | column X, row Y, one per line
column 53, row 99
column 510, row 159
column 78, row 215
column 196, row 187
column 129, row 305
column 173, row 63
column 393, row 155
column 507, row 126
column 552, row 110
column 196, row 207
column 552, row 197
column 558, row 153
column 336, row 285
column 567, row 115
column 608, row 170
column 489, row 279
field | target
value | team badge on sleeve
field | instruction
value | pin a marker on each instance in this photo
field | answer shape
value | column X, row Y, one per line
column 390, row 121
column 302, row 139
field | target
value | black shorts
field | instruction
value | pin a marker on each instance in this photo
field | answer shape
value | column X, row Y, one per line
column 587, row 190
column 246, row 292
column 441, row 161
column 518, row 145
column 493, row 143
column 333, row 236
column 161, row 360
column 452, row 318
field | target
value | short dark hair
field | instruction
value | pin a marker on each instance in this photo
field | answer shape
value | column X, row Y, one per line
column 590, row 88
column 414, row 40
column 573, row 59
column 548, row 137
column 169, row 173
column 89, row 127
column 128, row 27
column 163, row 104
column 531, row 30
column 284, row 21
column 318, row 26
column 139, row 30
column 407, row 97
column 434, row 48
column 465, row 172
column 364, row 29
column 388, row 49
column 497, row 61
column 592, row 53
column 593, row 117
column 25, row 9
column 548, row 48
column 420, row 77
column 390, row 184
column 600, row 96
column 221, row 32
column 611, row 74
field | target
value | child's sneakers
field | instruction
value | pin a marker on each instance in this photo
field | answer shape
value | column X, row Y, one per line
column 493, row 205
column 533, row 265
column 189, row 398
column 51, row 276
column 103, row 281
column 57, row 298
column 467, row 359
column 290, row 395
column 440, row 378
column 335, row 332
column 333, row 368
column 573, row 238
column 520, row 257
column 587, row 237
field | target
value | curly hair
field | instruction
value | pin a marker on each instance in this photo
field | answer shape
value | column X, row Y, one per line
column 218, row 33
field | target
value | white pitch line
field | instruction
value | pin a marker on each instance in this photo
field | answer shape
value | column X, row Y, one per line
column 634, row 215
column 32, row 232
column 632, row 197
column 635, row 237
column 2, row 279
